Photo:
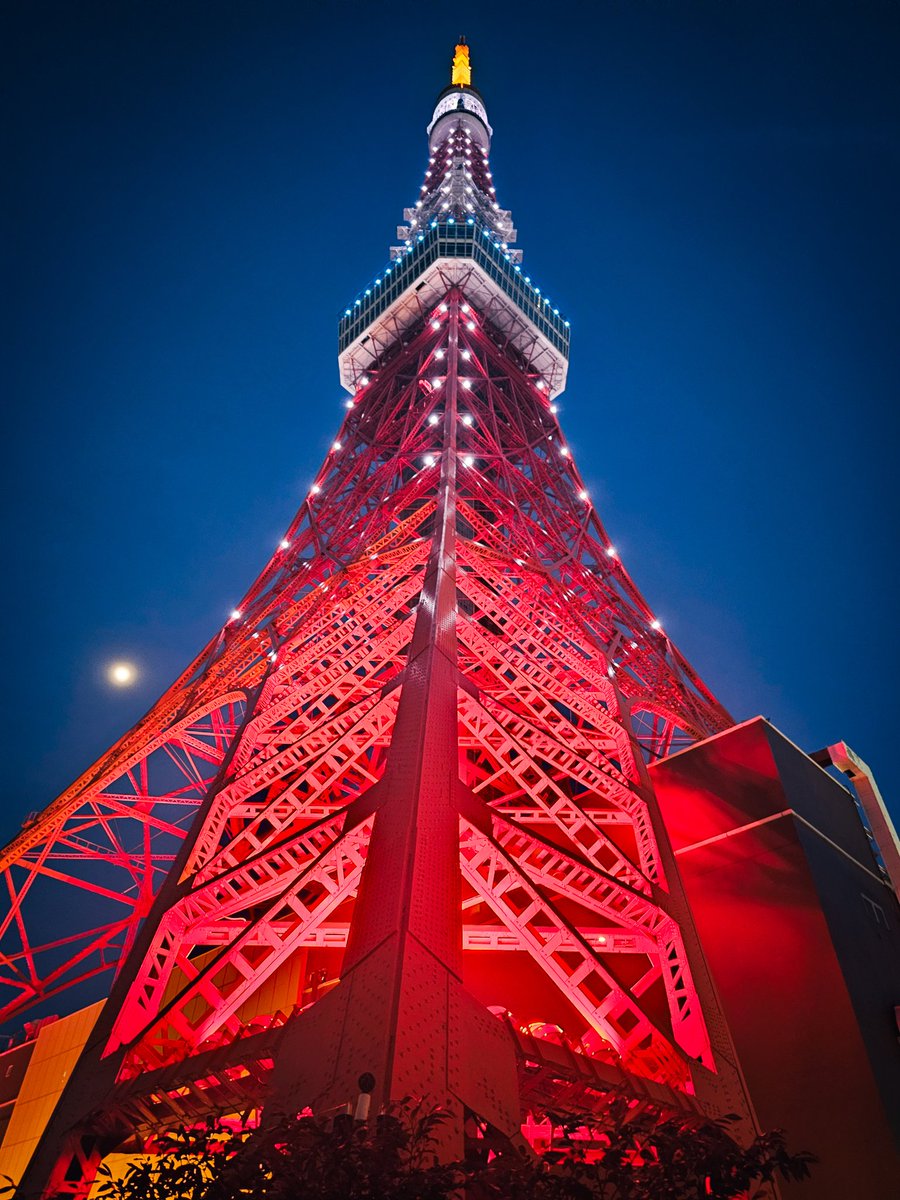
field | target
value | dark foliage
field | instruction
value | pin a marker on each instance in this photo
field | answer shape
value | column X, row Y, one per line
column 393, row 1158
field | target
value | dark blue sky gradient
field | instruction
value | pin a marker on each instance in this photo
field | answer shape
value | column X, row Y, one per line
column 708, row 191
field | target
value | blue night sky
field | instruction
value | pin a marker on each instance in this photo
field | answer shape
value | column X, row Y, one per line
column 708, row 191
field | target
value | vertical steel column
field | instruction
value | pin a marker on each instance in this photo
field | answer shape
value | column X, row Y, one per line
column 404, row 956
column 411, row 879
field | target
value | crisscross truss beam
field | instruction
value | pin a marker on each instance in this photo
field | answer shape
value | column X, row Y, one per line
column 254, row 783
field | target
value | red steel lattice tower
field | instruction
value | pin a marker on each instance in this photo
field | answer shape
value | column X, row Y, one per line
column 407, row 779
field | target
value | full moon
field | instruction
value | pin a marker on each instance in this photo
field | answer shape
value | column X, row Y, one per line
column 121, row 674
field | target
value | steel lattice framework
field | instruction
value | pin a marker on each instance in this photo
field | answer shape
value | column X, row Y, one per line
column 418, row 748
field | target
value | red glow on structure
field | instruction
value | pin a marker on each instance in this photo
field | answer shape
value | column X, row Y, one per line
column 557, row 859
column 549, row 802
column 542, row 744
column 404, row 785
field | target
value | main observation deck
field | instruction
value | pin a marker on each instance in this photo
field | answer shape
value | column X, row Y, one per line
column 466, row 253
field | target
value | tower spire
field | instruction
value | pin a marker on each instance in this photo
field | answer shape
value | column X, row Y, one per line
column 461, row 74
column 458, row 182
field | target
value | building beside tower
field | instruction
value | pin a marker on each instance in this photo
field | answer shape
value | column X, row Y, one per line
column 443, row 803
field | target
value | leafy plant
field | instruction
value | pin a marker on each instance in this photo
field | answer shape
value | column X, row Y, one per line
column 629, row 1155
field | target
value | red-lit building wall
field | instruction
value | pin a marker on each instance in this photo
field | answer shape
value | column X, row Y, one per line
column 803, row 940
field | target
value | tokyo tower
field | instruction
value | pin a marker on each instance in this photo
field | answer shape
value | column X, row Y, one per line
column 396, row 818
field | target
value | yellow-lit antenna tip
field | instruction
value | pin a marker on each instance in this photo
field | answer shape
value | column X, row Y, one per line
column 461, row 75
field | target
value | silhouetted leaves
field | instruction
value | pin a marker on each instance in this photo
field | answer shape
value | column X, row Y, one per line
column 629, row 1155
